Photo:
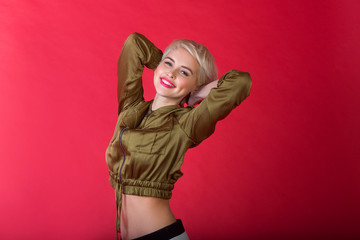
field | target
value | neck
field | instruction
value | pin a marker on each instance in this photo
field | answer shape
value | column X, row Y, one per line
column 160, row 101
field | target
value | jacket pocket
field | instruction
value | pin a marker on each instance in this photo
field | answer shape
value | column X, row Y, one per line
column 154, row 142
column 150, row 140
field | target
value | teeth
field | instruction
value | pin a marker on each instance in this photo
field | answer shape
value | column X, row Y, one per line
column 167, row 83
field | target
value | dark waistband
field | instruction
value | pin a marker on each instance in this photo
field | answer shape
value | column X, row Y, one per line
column 165, row 233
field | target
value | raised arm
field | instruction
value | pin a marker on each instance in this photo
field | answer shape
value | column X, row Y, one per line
column 232, row 88
column 137, row 51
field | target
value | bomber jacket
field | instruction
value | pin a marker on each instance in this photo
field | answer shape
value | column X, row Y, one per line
column 148, row 147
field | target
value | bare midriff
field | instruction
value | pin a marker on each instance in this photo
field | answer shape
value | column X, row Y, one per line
column 143, row 215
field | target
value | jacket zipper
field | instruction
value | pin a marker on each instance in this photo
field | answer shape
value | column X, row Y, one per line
column 123, row 150
column 143, row 122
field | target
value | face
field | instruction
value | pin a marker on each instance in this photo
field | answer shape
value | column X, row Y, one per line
column 175, row 77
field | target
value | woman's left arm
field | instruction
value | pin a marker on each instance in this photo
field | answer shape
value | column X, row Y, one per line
column 232, row 88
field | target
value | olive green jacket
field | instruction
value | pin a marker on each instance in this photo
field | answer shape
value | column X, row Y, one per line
column 147, row 149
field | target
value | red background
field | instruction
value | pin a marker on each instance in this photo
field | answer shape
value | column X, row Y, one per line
column 284, row 165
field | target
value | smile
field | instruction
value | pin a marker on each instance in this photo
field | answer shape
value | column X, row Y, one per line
column 166, row 83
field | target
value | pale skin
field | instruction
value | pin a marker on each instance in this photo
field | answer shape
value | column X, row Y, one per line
column 174, row 78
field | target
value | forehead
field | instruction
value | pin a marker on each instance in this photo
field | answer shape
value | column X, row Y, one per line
column 182, row 57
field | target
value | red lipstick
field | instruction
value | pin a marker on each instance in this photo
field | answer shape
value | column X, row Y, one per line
column 166, row 83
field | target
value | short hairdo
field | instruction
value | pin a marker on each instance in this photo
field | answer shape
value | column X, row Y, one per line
column 208, row 70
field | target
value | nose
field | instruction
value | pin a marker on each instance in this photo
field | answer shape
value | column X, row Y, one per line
column 171, row 74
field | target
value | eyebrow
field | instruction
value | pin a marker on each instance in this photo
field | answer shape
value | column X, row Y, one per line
column 181, row 66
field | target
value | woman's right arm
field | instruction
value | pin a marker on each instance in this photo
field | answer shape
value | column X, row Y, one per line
column 137, row 51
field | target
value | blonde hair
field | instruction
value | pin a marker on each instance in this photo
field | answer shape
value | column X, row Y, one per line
column 208, row 70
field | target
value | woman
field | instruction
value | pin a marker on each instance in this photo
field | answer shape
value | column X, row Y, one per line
column 150, row 138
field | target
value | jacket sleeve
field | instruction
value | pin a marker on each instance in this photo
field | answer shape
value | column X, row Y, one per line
column 232, row 89
column 137, row 51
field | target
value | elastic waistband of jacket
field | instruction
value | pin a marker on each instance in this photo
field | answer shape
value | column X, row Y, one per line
column 142, row 188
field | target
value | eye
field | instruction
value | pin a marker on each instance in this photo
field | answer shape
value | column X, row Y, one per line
column 168, row 63
column 184, row 73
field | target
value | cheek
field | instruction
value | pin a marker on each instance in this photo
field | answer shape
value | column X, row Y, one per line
column 156, row 71
column 192, row 84
column 189, row 84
